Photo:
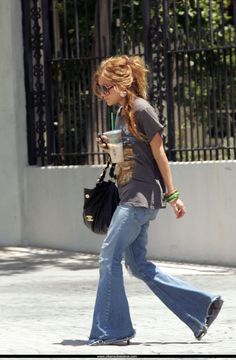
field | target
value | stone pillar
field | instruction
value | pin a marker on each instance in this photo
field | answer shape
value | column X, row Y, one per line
column 13, row 145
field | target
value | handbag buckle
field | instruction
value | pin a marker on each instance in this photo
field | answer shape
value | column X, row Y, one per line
column 89, row 218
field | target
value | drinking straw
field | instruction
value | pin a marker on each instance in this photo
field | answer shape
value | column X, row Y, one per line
column 112, row 121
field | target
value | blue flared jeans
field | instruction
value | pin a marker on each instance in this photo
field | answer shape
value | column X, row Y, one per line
column 127, row 237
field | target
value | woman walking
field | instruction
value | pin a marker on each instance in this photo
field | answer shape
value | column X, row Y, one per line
column 122, row 80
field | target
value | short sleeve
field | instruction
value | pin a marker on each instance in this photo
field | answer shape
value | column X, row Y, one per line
column 148, row 123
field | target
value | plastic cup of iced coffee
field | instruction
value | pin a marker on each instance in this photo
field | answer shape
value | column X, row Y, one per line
column 115, row 145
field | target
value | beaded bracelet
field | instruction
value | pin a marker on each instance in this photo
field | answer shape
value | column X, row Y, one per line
column 172, row 197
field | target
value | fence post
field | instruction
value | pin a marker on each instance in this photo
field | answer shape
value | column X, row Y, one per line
column 34, row 79
column 169, row 79
column 146, row 30
column 28, row 65
column 47, row 58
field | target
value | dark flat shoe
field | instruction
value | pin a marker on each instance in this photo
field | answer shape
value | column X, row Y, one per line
column 118, row 342
column 202, row 333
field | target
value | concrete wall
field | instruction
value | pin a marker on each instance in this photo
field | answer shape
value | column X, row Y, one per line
column 53, row 212
column 207, row 232
column 13, row 155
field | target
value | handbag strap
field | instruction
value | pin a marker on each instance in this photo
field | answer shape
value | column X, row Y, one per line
column 111, row 172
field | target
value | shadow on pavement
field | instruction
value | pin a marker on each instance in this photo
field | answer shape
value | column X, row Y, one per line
column 72, row 342
column 78, row 342
column 22, row 260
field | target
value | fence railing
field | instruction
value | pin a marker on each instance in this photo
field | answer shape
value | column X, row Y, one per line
column 190, row 50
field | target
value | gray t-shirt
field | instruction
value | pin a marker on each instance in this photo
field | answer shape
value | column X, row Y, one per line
column 138, row 177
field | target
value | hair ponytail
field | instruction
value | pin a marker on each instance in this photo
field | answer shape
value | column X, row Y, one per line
column 138, row 88
column 139, row 71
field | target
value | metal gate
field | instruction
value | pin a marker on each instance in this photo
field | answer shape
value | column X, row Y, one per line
column 190, row 49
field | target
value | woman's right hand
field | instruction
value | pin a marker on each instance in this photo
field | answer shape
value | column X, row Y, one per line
column 102, row 143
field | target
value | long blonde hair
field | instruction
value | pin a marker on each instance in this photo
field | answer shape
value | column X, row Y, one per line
column 129, row 74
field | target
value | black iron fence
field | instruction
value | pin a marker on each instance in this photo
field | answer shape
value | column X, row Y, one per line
column 190, row 49
column 201, row 53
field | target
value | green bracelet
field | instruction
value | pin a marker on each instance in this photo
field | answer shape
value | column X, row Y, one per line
column 172, row 197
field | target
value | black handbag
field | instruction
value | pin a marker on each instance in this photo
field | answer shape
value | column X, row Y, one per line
column 101, row 202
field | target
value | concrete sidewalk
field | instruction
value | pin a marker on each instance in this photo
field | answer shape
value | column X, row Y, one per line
column 47, row 299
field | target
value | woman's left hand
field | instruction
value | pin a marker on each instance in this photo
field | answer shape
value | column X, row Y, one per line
column 179, row 208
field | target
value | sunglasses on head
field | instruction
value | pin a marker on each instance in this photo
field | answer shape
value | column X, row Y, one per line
column 103, row 89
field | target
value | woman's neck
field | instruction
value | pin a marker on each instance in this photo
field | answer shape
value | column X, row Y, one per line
column 122, row 101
